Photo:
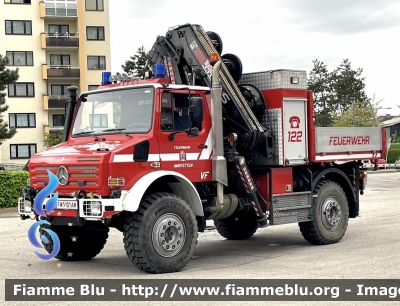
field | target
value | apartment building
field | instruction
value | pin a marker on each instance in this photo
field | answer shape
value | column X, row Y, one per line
column 55, row 44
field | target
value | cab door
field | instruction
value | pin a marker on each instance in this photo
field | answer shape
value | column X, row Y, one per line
column 180, row 152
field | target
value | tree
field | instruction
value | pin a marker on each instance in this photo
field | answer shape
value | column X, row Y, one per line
column 52, row 139
column 361, row 113
column 138, row 64
column 319, row 83
column 7, row 76
column 336, row 91
column 395, row 137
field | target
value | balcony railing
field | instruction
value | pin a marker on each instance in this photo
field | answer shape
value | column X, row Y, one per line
column 63, row 71
column 11, row 167
column 57, row 9
column 67, row 40
column 57, row 102
column 55, row 129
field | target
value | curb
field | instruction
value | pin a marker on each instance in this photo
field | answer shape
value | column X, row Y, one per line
column 383, row 171
column 9, row 210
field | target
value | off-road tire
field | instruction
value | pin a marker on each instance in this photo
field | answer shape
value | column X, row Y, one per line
column 144, row 229
column 88, row 243
column 319, row 230
column 237, row 226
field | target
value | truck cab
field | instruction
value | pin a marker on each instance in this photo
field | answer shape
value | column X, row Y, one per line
column 121, row 133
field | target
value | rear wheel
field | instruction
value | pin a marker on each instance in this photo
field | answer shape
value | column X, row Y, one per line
column 76, row 243
column 330, row 213
column 161, row 236
column 238, row 226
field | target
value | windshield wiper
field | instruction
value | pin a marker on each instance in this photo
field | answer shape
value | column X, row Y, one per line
column 118, row 130
column 83, row 133
column 111, row 130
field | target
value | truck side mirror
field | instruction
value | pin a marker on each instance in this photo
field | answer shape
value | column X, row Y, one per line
column 196, row 110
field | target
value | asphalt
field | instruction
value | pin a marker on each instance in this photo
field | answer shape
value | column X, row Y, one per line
column 369, row 249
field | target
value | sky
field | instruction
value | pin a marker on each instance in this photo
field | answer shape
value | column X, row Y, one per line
column 277, row 34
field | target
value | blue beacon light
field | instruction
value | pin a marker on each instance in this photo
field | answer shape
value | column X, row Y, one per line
column 105, row 78
column 159, row 71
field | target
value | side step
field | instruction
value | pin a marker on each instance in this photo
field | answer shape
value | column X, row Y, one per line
column 290, row 208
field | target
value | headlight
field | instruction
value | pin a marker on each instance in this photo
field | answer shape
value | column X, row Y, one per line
column 92, row 208
column 95, row 209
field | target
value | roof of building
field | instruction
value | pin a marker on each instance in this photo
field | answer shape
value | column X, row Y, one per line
column 391, row 122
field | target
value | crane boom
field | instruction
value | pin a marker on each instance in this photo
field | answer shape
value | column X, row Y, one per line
column 185, row 50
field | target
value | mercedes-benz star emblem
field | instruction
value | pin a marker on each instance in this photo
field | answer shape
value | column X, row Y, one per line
column 62, row 175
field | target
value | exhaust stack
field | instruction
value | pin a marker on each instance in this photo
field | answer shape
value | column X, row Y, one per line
column 219, row 168
column 70, row 111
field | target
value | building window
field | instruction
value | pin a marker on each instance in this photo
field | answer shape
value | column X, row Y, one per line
column 98, row 120
column 60, row 60
column 59, row 90
column 93, row 87
column 94, row 5
column 22, row 120
column 61, row 8
column 21, row 90
column 17, row 1
column 95, row 33
column 19, row 58
column 58, row 28
column 22, row 150
column 58, row 120
column 18, row 27
column 96, row 62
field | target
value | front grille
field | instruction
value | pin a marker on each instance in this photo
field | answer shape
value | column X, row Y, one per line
column 78, row 176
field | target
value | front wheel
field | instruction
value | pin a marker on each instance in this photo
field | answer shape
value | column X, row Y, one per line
column 161, row 236
column 330, row 213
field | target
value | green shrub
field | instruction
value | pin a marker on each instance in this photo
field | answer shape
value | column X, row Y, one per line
column 52, row 139
column 395, row 146
column 11, row 184
column 393, row 155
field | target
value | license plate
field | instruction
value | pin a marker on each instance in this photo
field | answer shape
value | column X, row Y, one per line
column 67, row 205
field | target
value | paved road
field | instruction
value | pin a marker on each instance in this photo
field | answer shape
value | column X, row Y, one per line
column 369, row 249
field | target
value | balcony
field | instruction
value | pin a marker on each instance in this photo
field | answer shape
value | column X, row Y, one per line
column 53, row 129
column 57, row 102
column 58, row 10
column 55, row 41
column 60, row 72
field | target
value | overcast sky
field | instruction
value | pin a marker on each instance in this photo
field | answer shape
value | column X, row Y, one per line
column 277, row 34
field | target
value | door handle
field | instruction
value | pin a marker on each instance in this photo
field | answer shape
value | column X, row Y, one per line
column 202, row 146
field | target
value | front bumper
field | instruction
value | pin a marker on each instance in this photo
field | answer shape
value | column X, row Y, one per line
column 94, row 209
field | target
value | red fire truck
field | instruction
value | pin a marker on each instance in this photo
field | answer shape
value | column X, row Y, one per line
column 199, row 140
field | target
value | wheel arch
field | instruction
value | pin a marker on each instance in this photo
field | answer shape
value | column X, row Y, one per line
column 339, row 177
column 158, row 181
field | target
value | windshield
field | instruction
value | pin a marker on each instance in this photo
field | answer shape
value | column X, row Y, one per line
column 128, row 110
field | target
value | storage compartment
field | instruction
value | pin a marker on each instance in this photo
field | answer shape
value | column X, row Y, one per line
column 281, row 183
column 282, row 78
column 285, row 94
